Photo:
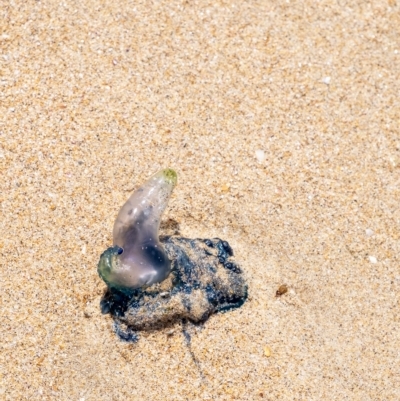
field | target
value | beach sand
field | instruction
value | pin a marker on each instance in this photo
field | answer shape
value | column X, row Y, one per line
column 281, row 119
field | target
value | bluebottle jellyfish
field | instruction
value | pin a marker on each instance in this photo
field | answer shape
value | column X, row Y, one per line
column 138, row 259
column 157, row 281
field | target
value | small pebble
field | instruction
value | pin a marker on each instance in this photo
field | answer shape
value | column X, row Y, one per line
column 267, row 351
column 369, row 232
column 372, row 259
column 260, row 155
column 327, row 80
column 281, row 290
column 225, row 188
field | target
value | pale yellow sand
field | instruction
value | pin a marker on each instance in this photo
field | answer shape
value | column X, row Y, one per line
column 97, row 95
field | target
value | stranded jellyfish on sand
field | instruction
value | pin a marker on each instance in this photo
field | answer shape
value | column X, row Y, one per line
column 155, row 282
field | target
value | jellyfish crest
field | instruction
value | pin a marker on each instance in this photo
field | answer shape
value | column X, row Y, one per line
column 141, row 259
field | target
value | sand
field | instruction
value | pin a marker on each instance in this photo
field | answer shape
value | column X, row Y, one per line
column 282, row 121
